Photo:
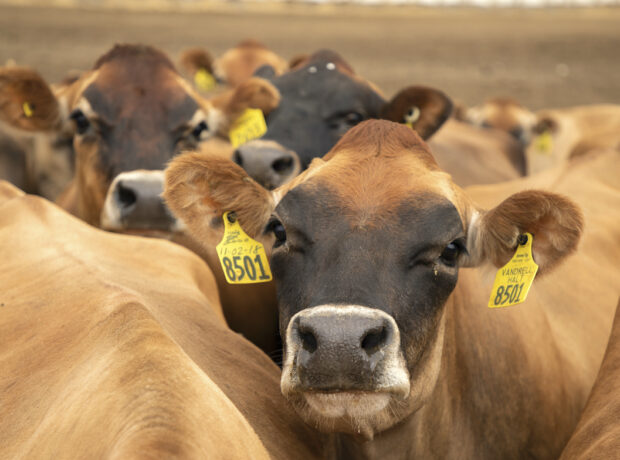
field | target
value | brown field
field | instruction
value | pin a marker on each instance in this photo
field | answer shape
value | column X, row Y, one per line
column 545, row 58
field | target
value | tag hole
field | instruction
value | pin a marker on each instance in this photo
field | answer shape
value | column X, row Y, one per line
column 232, row 217
column 522, row 239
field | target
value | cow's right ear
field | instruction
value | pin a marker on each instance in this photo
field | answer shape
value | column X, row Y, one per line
column 193, row 60
column 424, row 109
column 26, row 100
column 200, row 187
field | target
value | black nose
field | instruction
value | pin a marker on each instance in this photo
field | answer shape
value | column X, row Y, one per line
column 340, row 352
column 270, row 166
column 136, row 203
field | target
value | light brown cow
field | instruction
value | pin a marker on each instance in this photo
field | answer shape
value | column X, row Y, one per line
column 567, row 133
column 598, row 433
column 388, row 345
column 115, row 347
column 504, row 114
column 130, row 115
column 235, row 65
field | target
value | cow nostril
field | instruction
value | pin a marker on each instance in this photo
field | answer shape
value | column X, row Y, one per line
column 236, row 158
column 308, row 341
column 125, row 195
column 282, row 165
column 374, row 339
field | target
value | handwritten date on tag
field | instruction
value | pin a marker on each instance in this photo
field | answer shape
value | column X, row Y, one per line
column 243, row 259
column 513, row 280
column 250, row 125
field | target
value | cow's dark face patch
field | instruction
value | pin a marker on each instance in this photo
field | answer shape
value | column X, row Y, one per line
column 319, row 104
column 141, row 116
column 406, row 266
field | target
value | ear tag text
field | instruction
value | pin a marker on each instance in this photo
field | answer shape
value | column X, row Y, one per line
column 544, row 143
column 243, row 259
column 250, row 125
column 27, row 110
column 513, row 280
column 204, row 81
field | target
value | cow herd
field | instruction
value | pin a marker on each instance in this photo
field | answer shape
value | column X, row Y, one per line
column 385, row 221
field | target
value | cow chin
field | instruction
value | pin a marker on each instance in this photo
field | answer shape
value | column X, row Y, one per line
column 357, row 413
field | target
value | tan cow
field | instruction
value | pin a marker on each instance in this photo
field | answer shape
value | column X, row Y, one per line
column 389, row 346
column 115, row 347
column 235, row 65
column 567, row 133
column 598, row 433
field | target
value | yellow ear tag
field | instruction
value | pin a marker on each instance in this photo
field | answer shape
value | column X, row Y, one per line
column 250, row 125
column 513, row 280
column 204, row 80
column 243, row 259
column 27, row 110
column 544, row 143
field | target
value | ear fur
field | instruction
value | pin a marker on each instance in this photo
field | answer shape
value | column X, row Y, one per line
column 194, row 59
column 554, row 221
column 26, row 100
column 200, row 188
column 429, row 107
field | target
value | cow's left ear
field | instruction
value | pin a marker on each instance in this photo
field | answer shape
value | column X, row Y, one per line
column 26, row 100
column 424, row 109
column 554, row 221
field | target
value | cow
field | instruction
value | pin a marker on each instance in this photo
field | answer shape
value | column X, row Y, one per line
column 322, row 98
column 597, row 435
column 562, row 134
column 35, row 150
column 388, row 344
column 504, row 114
column 234, row 66
column 115, row 346
column 129, row 116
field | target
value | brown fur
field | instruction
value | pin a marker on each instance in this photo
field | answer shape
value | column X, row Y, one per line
column 597, row 435
column 131, row 52
column 194, row 59
column 135, row 360
column 238, row 64
column 20, row 85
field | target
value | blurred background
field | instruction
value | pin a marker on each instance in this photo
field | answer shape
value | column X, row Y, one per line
column 545, row 54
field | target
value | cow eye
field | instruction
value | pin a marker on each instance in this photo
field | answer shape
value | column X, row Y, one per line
column 81, row 122
column 276, row 227
column 200, row 130
column 354, row 118
column 451, row 253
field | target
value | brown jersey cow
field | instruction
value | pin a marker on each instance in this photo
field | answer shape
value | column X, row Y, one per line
column 114, row 346
column 389, row 344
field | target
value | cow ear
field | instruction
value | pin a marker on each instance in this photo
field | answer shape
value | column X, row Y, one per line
column 193, row 60
column 424, row 109
column 199, row 188
column 255, row 93
column 26, row 100
column 554, row 221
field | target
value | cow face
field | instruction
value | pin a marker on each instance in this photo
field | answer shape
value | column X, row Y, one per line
column 320, row 101
column 367, row 244
column 504, row 114
column 129, row 116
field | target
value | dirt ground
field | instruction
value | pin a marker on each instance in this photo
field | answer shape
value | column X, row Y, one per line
column 544, row 58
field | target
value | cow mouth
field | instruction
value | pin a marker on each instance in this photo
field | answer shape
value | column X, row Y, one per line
column 352, row 404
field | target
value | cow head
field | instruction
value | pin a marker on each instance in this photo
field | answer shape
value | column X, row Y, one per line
column 367, row 244
column 505, row 114
column 321, row 99
column 129, row 116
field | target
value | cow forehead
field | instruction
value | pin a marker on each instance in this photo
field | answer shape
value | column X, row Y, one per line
column 322, row 81
column 147, row 89
column 376, row 168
